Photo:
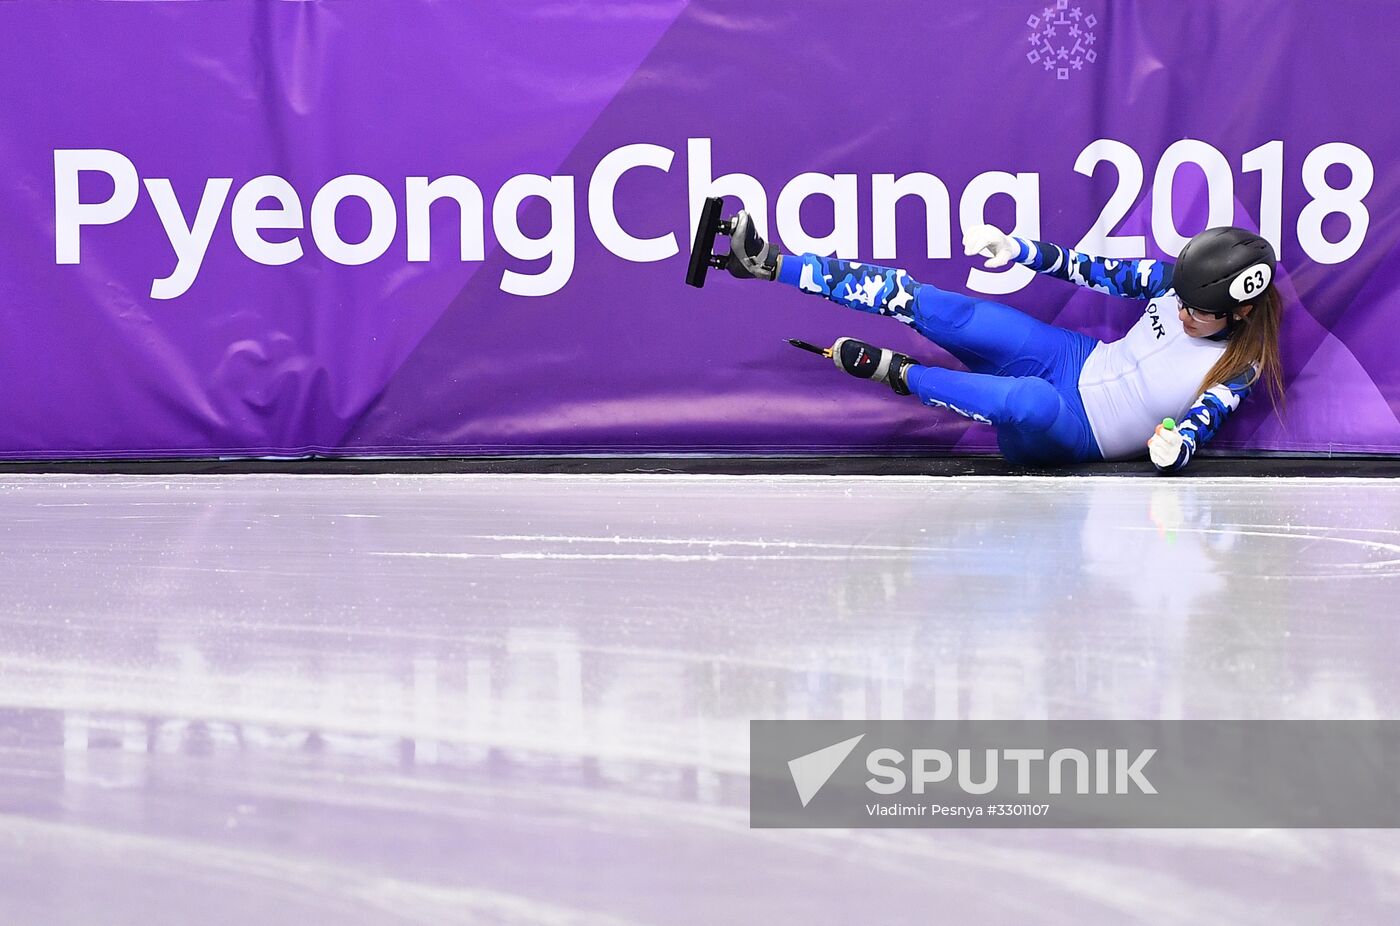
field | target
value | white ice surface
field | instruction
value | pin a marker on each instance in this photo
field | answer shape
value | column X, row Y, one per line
column 512, row 699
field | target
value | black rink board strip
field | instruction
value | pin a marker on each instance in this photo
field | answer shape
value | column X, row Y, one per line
column 1264, row 465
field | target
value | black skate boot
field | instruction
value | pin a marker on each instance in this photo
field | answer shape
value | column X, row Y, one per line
column 749, row 257
column 878, row 363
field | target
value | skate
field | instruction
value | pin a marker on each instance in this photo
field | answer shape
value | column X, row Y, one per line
column 749, row 256
column 876, row 363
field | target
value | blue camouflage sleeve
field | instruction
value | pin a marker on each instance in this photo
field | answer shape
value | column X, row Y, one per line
column 1135, row 279
column 866, row 287
column 1204, row 419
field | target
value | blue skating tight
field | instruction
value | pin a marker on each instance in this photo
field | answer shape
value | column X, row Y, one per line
column 1024, row 377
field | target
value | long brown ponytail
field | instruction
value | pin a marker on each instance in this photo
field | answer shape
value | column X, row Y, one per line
column 1254, row 345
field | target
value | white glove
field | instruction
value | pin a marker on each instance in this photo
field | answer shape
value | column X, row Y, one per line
column 990, row 242
column 1165, row 447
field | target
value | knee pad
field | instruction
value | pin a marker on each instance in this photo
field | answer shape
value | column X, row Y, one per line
column 934, row 308
column 1032, row 404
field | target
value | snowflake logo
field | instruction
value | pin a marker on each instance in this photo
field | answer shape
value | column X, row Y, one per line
column 1062, row 39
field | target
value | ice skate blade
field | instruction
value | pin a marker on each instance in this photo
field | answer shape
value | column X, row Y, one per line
column 702, row 256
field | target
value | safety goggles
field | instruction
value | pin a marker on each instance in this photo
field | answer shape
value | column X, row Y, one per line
column 1205, row 314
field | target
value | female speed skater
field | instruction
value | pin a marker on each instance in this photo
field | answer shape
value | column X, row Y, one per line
column 1209, row 334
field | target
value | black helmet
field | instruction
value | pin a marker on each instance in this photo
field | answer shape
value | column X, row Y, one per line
column 1222, row 269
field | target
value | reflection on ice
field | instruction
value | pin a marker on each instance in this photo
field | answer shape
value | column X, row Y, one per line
column 511, row 699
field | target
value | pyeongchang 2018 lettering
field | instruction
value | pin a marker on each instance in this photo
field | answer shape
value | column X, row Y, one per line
column 270, row 203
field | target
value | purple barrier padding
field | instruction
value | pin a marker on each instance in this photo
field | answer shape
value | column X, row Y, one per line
column 126, row 336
